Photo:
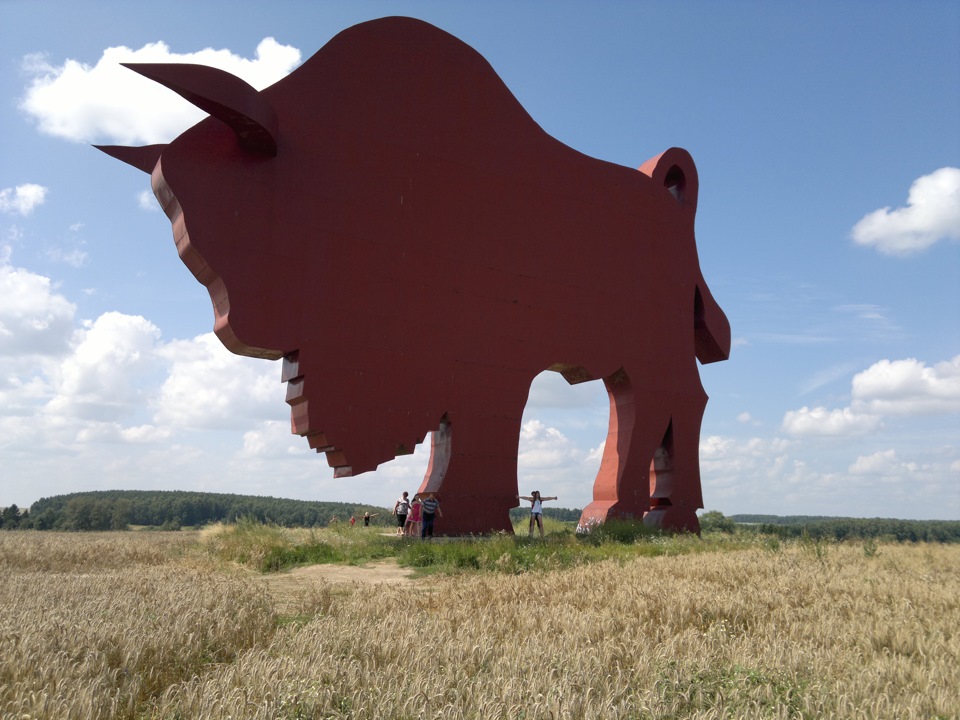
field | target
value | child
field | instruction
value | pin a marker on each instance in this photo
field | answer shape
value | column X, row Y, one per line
column 412, row 527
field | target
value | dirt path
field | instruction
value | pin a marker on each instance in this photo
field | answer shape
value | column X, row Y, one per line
column 382, row 571
column 291, row 589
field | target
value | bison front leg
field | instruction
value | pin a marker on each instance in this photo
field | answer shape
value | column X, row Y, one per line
column 473, row 469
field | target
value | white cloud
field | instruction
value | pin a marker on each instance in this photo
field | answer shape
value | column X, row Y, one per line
column 273, row 438
column 147, row 201
column 103, row 379
column 23, row 199
column 87, row 380
column 109, row 103
column 553, row 463
column 34, row 319
column 824, row 422
column 550, row 390
column 145, row 434
column 932, row 213
column 887, row 388
column 908, row 387
column 736, row 471
column 595, row 455
column 716, row 447
column 210, row 387
column 761, row 475
column 96, row 406
column 94, row 432
column 75, row 258
column 542, row 447
column 883, row 463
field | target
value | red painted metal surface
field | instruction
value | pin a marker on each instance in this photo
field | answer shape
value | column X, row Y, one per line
column 390, row 221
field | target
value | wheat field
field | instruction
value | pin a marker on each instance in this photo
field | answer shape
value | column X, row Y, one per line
column 146, row 625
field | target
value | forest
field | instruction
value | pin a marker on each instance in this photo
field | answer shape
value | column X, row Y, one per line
column 172, row 510
column 840, row 528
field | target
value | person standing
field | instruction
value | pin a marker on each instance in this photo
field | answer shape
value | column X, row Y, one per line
column 536, row 509
column 412, row 528
column 430, row 509
column 401, row 508
column 366, row 518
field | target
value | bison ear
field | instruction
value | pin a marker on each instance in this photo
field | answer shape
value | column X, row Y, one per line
column 225, row 96
column 675, row 170
column 142, row 158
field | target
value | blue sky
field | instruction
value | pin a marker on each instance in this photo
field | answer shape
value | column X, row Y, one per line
column 827, row 140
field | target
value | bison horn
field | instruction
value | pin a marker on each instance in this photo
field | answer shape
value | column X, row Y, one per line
column 143, row 158
column 225, row 96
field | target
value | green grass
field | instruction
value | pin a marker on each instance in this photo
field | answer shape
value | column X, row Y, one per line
column 269, row 548
column 691, row 689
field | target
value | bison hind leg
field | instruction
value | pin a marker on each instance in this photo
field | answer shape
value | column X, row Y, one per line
column 674, row 489
column 650, row 466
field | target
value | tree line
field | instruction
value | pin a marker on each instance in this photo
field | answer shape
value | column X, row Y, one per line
column 562, row 514
column 841, row 528
column 173, row 509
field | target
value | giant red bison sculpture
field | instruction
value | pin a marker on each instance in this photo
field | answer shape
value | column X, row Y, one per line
column 391, row 222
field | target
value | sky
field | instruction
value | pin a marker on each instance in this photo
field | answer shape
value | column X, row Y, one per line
column 827, row 141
